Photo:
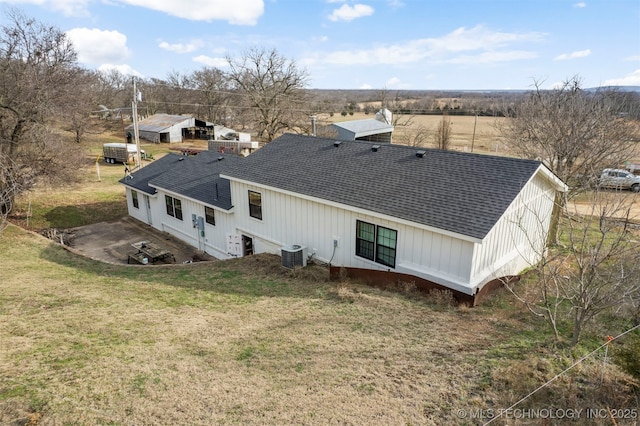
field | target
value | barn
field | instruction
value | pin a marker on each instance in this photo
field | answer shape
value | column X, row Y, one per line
column 161, row 128
column 441, row 219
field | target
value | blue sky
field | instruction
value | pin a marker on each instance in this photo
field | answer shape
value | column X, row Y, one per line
column 363, row 44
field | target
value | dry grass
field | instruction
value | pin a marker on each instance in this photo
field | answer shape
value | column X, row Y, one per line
column 207, row 343
column 243, row 341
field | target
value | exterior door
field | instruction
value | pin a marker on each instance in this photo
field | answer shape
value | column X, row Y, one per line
column 148, row 204
column 247, row 246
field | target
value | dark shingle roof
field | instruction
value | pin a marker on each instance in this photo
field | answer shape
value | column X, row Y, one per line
column 196, row 177
column 458, row 192
column 139, row 180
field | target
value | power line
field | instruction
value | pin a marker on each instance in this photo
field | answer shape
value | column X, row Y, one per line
column 557, row 376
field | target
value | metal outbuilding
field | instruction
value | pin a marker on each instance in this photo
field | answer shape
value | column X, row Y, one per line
column 377, row 129
column 171, row 128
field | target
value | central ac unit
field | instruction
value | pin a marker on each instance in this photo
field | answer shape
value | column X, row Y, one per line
column 293, row 256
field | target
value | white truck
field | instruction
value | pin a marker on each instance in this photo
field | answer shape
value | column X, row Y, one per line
column 619, row 179
column 120, row 153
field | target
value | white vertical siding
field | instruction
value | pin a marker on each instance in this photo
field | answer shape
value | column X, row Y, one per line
column 288, row 219
column 214, row 241
column 140, row 212
column 518, row 239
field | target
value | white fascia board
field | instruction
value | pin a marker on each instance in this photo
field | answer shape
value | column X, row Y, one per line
column 555, row 180
column 359, row 210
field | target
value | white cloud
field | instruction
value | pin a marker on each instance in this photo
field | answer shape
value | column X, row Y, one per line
column 211, row 62
column 181, row 47
column 632, row 58
column 366, row 86
column 76, row 8
column 237, row 12
column 632, row 79
column 392, row 82
column 492, row 57
column 349, row 13
column 478, row 39
column 580, row 5
column 573, row 55
column 122, row 68
column 96, row 47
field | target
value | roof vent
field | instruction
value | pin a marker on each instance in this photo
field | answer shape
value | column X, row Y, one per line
column 375, row 148
column 220, row 158
column 337, row 143
column 420, row 153
column 181, row 158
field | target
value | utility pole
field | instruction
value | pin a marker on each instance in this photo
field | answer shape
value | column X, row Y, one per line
column 134, row 112
column 473, row 139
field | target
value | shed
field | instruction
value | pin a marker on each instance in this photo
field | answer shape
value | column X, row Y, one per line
column 377, row 129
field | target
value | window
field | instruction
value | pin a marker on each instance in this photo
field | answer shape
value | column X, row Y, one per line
column 376, row 243
column 210, row 216
column 386, row 246
column 365, row 240
column 174, row 207
column 134, row 198
column 255, row 205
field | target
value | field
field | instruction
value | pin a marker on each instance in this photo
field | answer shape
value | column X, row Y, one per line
column 462, row 130
column 248, row 342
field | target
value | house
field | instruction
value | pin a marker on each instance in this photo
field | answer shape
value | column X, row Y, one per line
column 170, row 128
column 377, row 129
column 441, row 219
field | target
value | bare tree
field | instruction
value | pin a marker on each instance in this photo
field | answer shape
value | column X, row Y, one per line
column 38, row 75
column 574, row 132
column 442, row 135
column 417, row 137
column 272, row 88
column 213, row 94
column 595, row 272
column 79, row 111
column 113, row 91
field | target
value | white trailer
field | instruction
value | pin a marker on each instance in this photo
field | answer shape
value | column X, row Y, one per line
column 120, row 153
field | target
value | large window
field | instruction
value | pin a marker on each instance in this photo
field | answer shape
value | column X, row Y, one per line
column 255, row 204
column 134, row 199
column 376, row 243
column 174, row 207
column 210, row 216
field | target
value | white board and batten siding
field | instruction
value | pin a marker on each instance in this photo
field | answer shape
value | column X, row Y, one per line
column 214, row 240
column 141, row 211
column 292, row 219
column 517, row 241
